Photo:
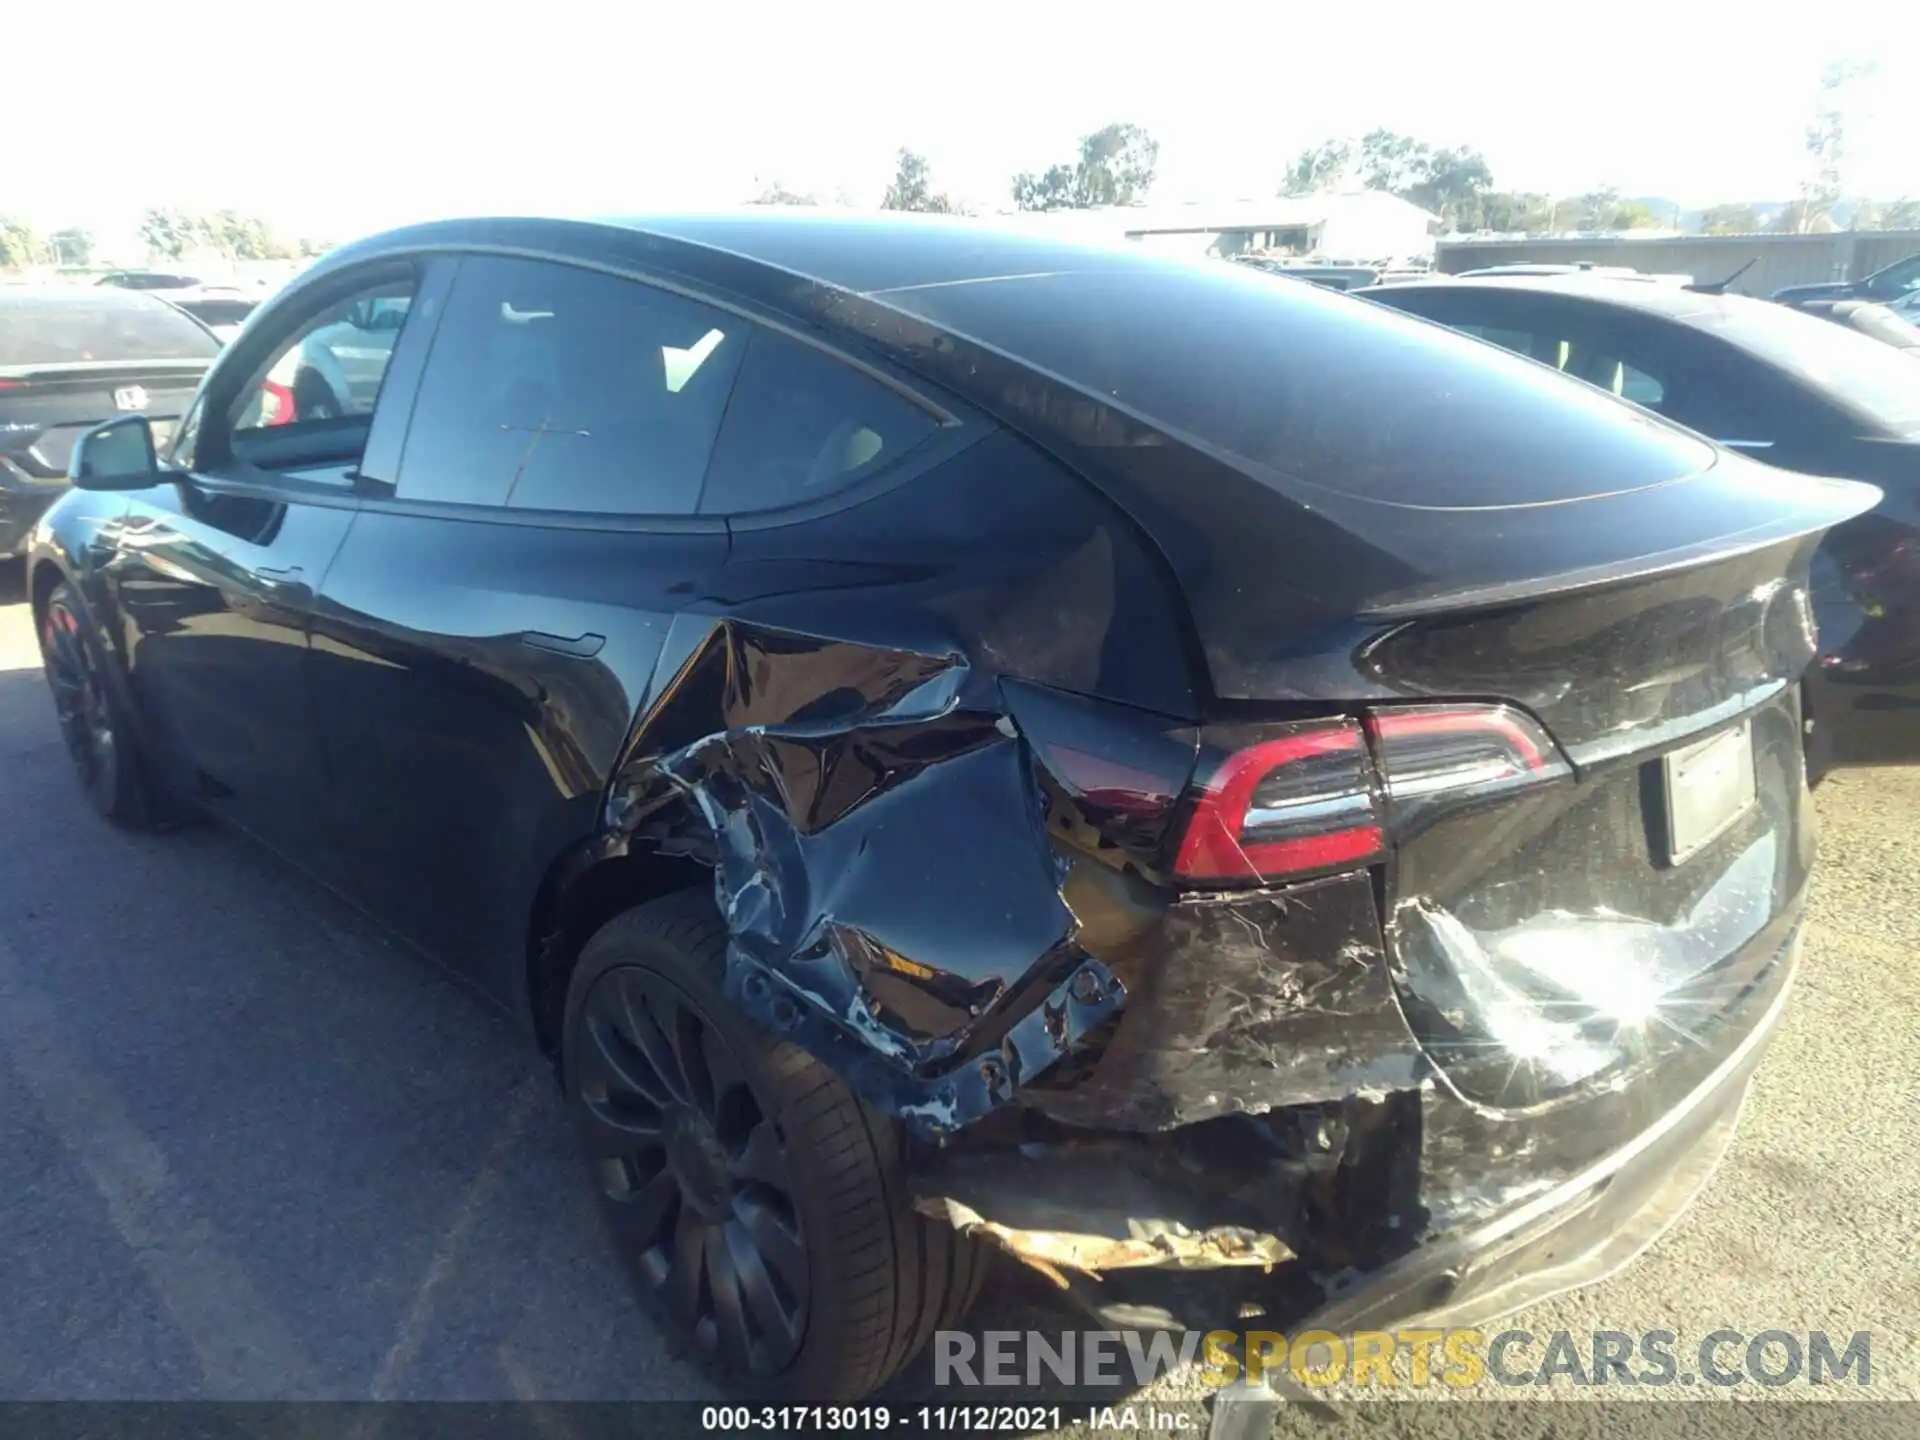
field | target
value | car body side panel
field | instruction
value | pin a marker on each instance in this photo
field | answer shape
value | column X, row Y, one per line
column 210, row 589
column 474, row 680
column 848, row 726
column 75, row 544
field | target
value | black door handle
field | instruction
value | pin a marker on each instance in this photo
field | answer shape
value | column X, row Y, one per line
column 580, row 647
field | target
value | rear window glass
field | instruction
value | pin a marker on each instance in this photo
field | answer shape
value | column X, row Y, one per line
column 802, row 425
column 1870, row 380
column 1298, row 384
column 97, row 325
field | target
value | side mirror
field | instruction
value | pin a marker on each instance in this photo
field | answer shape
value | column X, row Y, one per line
column 118, row 455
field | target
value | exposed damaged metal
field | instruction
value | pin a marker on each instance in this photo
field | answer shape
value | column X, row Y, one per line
column 1052, row 1251
column 956, row 895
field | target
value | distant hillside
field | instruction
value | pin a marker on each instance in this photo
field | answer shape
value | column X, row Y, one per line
column 1669, row 213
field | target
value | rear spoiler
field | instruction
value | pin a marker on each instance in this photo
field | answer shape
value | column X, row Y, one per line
column 1815, row 504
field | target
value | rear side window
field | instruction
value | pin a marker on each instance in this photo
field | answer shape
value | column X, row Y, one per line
column 1553, row 338
column 97, row 325
column 802, row 425
column 555, row 388
column 1519, row 341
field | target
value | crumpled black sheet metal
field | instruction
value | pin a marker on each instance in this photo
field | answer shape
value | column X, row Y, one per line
column 881, row 857
column 1253, row 1002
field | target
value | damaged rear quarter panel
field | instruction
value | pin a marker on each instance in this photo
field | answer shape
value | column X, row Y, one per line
column 833, row 734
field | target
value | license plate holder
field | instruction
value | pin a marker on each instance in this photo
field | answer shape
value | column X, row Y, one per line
column 1708, row 786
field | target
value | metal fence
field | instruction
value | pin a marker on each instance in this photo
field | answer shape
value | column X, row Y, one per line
column 1779, row 260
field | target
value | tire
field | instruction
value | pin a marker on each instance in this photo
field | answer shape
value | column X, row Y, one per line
column 758, row 1204
column 313, row 398
column 92, row 724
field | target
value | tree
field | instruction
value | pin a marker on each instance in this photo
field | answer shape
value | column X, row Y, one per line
column 1393, row 162
column 1732, row 220
column 1453, row 183
column 1052, row 191
column 244, row 237
column 1603, row 209
column 71, row 246
column 912, row 188
column 1516, row 212
column 19, row 244
column 778, row 194
column 1827, row 146
column 1454, row 187
column 170, row 233
column 1890, row 215
column 1804, row 217
column 1321, row 168
column 1116, row 167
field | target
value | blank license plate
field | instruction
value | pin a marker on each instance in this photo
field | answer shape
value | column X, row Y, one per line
column 1709, row 785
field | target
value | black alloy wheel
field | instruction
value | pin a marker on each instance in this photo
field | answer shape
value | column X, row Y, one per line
column 81, row 700
column 692, row 1170
column 762, row 1207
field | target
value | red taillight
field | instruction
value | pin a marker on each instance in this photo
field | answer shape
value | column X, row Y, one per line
column 1452, row 754
column 1310, row 798
column 1299, row 802
column 276, row 404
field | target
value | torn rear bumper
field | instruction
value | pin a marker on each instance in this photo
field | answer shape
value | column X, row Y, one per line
column 1583, row 1230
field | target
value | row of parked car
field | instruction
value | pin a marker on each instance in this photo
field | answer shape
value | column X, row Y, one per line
column 955, row 739
column 1770, row 381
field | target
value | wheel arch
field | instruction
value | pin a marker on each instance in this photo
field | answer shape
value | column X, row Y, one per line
column 586, row 886
column 44, row 575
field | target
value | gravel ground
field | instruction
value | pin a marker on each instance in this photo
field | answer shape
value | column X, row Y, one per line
column 250, row 1149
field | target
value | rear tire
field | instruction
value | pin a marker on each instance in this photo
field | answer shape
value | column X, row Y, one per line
column 757, row 1202
column 313, row 398
column 98, row 739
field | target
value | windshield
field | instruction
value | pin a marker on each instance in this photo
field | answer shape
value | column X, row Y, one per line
column 1870, row 380
column 97, row 324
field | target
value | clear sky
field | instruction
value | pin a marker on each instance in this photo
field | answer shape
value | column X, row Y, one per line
column 334, row 117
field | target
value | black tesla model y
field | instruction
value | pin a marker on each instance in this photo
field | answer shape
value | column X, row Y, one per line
column 954, row 740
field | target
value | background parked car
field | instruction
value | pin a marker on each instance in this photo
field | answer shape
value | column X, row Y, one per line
column 1889, row 285
column 1329, row 274
column 1783, row 387
column 70, row 358
column 223, row 309
column 148, row 280
column 1875, row 321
